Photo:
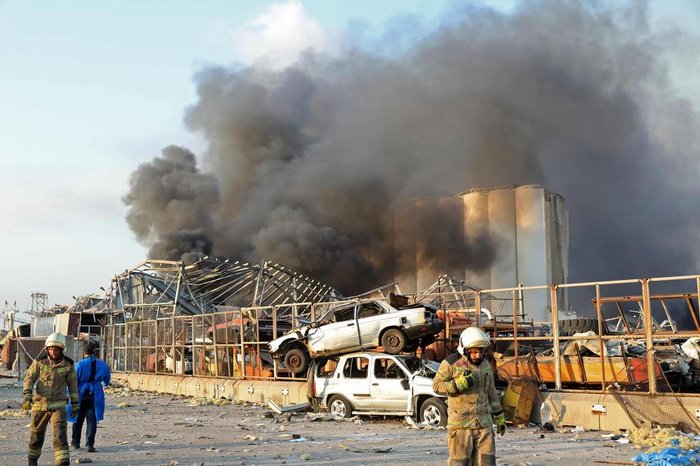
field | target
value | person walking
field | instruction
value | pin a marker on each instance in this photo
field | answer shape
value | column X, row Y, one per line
column 49, row 378
column 92, row 374
column 473, row 405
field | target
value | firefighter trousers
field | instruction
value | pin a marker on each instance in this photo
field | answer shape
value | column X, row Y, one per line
column 59, row 429
column 471, row 447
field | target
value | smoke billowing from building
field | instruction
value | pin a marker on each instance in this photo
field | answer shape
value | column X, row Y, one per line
column 307, row 162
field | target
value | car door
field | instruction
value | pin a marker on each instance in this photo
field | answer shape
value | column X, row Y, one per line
column 336, row 331
column 371, row 319
column 355, row 382
column 386, row 391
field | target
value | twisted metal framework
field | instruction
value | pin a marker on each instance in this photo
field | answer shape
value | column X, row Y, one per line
column 157, row 288
column 450, row 293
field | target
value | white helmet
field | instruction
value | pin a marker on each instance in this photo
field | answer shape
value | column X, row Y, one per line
column 473, row 337
column 56, row 339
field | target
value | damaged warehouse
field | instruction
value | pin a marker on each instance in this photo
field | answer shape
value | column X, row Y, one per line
column 430, row 165
column 211, row 328
column 640, row 350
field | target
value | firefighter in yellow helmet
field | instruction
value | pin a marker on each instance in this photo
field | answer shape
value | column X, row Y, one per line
column 473, row 405
column 50, row 376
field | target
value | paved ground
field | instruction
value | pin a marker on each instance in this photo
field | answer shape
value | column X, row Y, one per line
column 148, row 429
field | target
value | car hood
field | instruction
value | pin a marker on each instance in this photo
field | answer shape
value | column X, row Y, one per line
column 295, row 334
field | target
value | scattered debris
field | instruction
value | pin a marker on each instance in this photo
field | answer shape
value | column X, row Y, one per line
column 669, row 456
column 578, row 429
column 305, row 457
column 13, row 413
column 547, row 427
column 366, row 450
column 613, row 462
column 658, row 438
column 423, row 425
column 289, row 408
column 382, row 450
column 124, row 404
column 209, row 401
column 83, row 460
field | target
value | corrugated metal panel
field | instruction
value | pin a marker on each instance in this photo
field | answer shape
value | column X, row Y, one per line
column 42, row 326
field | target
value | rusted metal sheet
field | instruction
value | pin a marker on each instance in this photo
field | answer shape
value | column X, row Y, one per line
column 588, row 370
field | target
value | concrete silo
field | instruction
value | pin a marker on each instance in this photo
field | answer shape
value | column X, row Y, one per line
column 526, row 226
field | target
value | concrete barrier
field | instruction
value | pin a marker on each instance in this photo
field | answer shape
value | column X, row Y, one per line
column 254, row 391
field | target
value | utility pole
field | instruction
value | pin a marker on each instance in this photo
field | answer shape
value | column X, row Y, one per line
column 9, row 314
column 40, row 302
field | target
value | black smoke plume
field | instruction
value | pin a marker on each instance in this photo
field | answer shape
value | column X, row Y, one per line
column 308, row 161
column 171, row 206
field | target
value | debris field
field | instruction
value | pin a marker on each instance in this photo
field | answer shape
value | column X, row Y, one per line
column 150, row 429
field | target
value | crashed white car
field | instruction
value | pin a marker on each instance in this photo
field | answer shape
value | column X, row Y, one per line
column 381, row 384
column 354, row 326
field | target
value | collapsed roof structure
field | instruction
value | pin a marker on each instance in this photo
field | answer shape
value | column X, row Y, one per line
column 160, row 288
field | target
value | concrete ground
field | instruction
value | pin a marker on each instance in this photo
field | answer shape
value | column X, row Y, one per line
column 149, row 429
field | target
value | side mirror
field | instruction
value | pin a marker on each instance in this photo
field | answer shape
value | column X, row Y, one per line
column 404, row 384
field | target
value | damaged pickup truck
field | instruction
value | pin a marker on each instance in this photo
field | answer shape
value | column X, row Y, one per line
column 355, row 326
column 379, row 384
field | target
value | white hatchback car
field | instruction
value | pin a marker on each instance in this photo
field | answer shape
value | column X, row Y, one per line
column 379, row 384
column 354, row 326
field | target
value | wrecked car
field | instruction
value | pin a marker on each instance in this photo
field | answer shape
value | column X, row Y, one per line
column 355, row 326
column 379, row 384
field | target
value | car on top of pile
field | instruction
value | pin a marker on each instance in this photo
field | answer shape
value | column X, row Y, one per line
column 356, row 326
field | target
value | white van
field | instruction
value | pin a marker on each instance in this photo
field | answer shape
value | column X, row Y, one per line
column 379, row 384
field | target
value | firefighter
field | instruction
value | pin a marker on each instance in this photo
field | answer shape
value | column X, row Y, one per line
column 54, row 375
column 473, row 405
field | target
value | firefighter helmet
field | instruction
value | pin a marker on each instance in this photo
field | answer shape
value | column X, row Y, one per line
column 56, row 339
column 472, row 337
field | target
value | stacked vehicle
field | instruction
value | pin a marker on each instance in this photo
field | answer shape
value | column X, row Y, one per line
column 381, row 382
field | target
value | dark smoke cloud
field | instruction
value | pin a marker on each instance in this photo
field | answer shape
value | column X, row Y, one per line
column 171, row 206
column 308, row 161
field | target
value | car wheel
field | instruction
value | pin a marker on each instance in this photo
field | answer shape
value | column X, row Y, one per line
column 339, row 407
column 296, row 361
column 394, row 341
column 434, row 412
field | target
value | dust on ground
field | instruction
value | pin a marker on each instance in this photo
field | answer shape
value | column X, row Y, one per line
column 152, row 429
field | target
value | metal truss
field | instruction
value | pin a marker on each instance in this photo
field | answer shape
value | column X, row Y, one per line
column 157, row 288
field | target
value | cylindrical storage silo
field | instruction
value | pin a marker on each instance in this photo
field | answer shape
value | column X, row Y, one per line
column 504, row 269
column 476, row 225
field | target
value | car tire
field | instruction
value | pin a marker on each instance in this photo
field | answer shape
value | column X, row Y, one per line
column 296, row 360
column 569, row 327
column 394, row 341
column 339, row 407
column 434, row 412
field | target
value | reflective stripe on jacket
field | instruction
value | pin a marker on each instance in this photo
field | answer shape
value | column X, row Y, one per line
column 52, row 381
column 475, row 407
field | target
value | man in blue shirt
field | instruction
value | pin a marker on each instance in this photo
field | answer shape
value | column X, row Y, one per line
column 92, row 375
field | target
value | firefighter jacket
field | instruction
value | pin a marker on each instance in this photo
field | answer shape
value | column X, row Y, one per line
column 475, row 407
column 53, row 380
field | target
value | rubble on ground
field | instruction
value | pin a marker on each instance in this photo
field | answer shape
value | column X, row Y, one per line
column 658, row 438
